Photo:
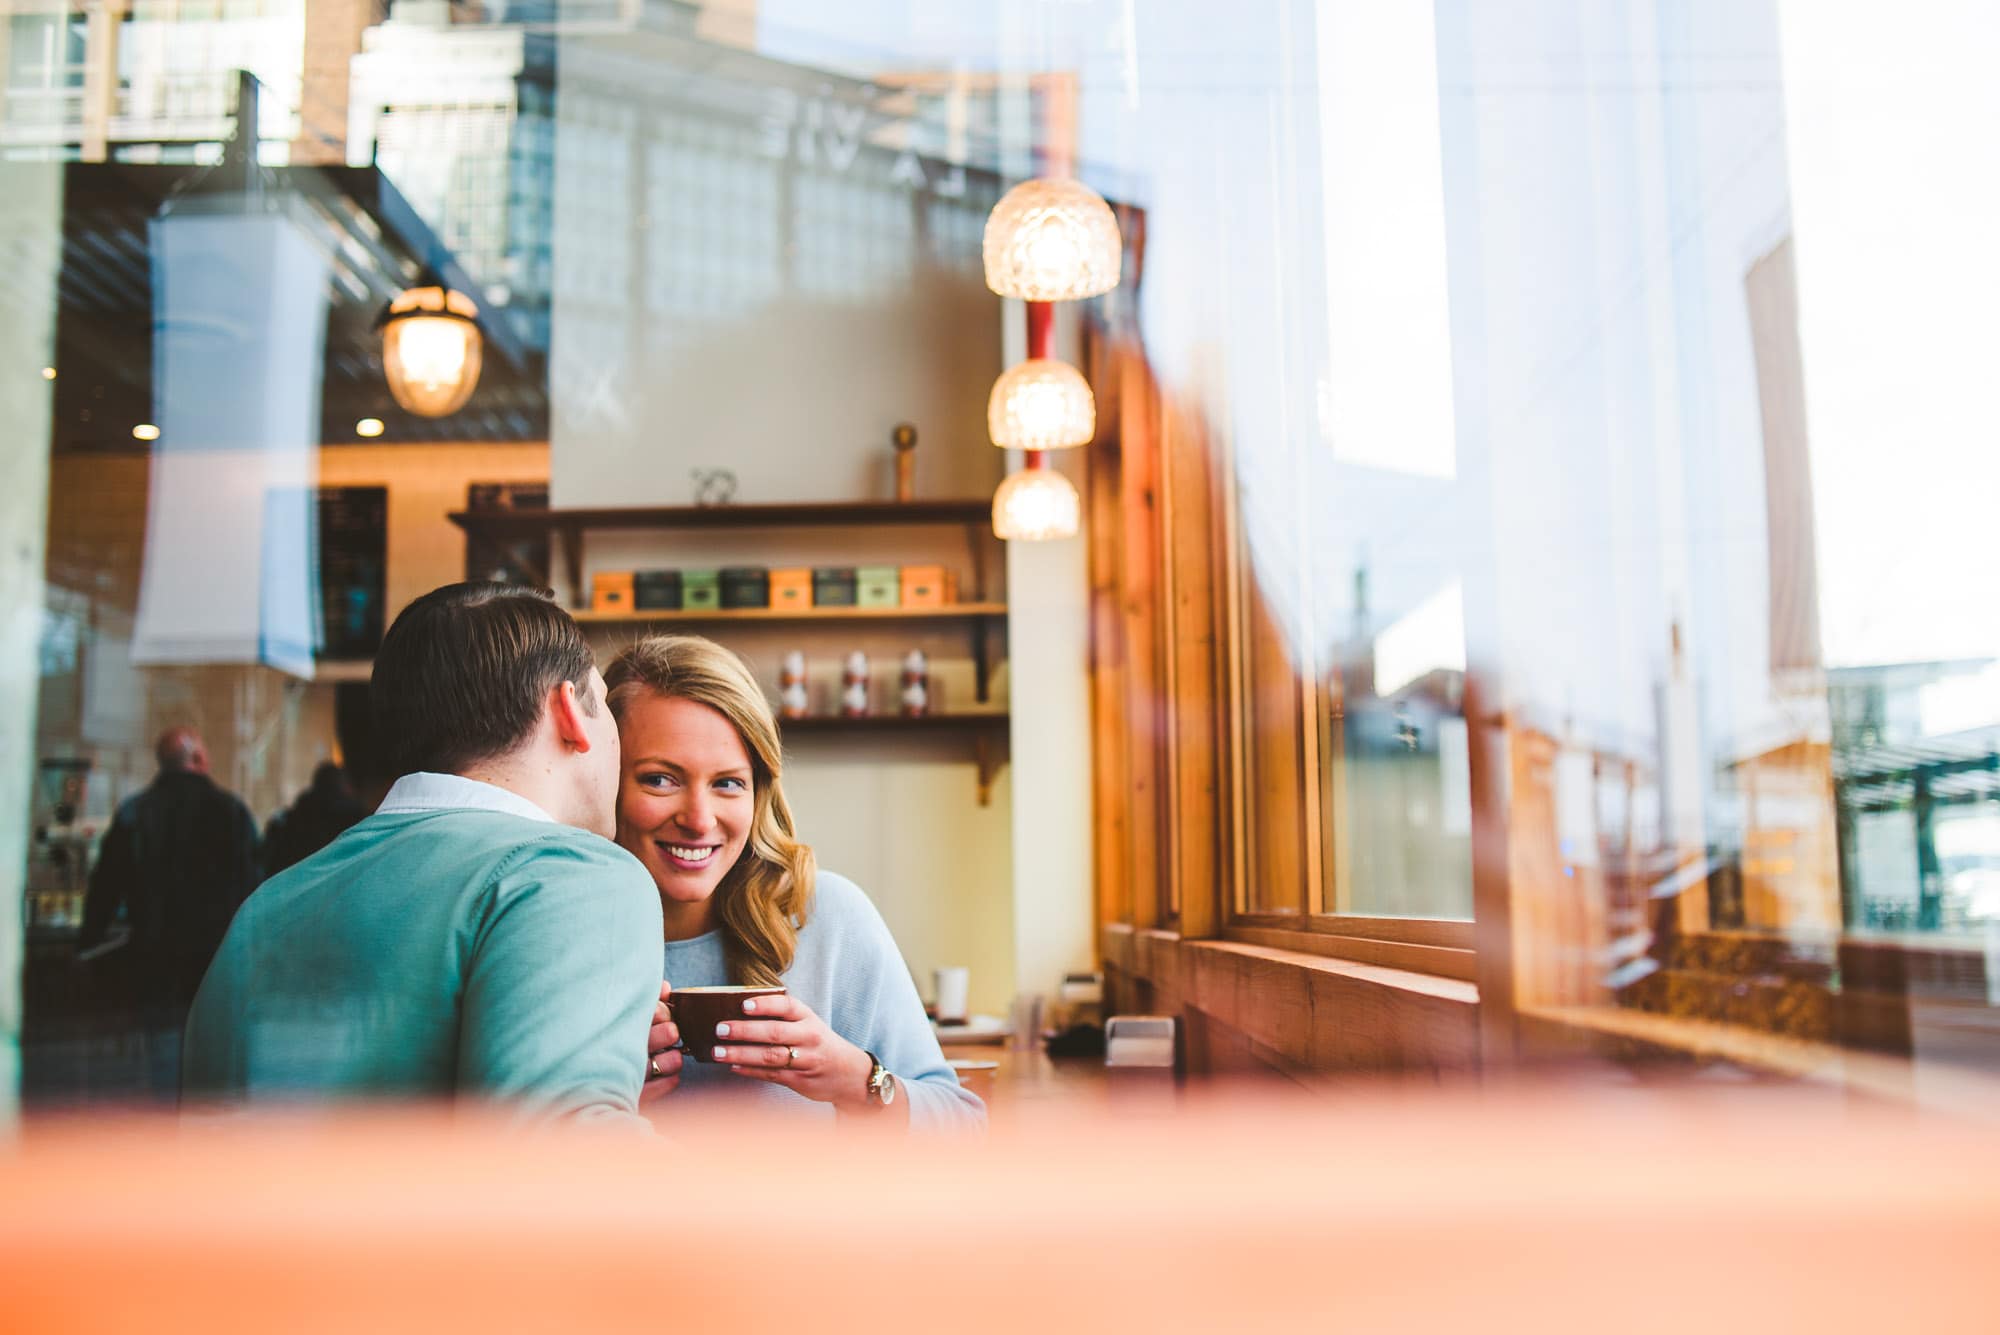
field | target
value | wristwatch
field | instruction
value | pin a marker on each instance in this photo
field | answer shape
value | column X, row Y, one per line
column 881, row 1083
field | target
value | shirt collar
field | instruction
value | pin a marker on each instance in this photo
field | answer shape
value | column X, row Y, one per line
column 425, row 791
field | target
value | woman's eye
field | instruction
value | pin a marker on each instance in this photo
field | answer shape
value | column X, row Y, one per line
column 656, row 781
column 732, row 785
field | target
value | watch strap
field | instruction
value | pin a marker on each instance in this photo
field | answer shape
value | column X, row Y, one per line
column 881, row 1084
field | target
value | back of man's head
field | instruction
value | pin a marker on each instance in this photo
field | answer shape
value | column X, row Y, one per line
column 181, row 751
column 464, row 673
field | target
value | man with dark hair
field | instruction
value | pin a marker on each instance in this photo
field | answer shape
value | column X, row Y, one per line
column 179, row 857
column 479, row 935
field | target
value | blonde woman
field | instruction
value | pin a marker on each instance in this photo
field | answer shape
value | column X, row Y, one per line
column 701, row 803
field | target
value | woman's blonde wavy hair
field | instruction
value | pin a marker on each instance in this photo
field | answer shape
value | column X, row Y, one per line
column 763, row 900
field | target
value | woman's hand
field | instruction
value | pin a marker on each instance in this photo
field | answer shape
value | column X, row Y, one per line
column 780, row 1040
column 663, row 1060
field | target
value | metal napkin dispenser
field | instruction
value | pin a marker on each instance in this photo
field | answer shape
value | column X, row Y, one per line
column 1139, row 1042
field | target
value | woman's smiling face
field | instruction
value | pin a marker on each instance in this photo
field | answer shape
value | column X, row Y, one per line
column 686, row 798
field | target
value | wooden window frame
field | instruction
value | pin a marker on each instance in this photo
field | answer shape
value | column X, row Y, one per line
column 1173, row 791
column 1444, row 947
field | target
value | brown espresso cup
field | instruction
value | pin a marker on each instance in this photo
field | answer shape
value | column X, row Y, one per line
column 697, row 1010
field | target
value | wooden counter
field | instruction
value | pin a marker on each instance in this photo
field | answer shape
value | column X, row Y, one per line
column 1647, row 1211
column 1028, row 1083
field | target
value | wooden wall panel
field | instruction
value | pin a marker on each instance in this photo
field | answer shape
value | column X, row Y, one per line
column 1110, row 748
column 1274, row 767
column 1194, row 660
column 1129, row 696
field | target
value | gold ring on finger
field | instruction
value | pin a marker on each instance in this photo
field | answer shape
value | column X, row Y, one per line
column 791, row 1055
column 654, row 1062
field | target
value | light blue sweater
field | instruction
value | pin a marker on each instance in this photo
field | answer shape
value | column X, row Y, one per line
column 441, row 953
column 850, row 973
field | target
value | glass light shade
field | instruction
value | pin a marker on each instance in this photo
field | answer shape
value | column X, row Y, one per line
column 1041, row 404
column 1035, row 505
column 431, row 350
column 1052, row 240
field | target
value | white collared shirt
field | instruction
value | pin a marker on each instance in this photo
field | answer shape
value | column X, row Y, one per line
column 425, row 791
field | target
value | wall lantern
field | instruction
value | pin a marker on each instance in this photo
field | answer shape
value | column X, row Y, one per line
column 431, row 349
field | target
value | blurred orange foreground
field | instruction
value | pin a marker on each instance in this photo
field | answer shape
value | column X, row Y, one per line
column 1462, row 1211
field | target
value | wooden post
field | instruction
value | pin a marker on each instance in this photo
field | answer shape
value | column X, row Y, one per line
column 905, row 439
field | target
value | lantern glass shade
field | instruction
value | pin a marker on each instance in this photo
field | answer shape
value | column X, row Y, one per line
column 1052, row 240
column 1041, row 404
column 432, row 350
column 1035, row 505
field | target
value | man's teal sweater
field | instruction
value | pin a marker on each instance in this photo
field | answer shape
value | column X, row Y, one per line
column 438, row 954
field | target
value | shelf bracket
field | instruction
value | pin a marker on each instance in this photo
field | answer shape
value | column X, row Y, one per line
column 975, row 545
column 989, row 767
column 571, row 536
column 982, row 663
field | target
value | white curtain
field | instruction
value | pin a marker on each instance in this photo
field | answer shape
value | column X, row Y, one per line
column 239, row 311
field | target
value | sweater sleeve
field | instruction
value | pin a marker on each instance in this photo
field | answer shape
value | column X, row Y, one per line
column 889, row 1019
column 563, row 973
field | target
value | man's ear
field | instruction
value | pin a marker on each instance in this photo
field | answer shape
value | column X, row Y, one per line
column 566, row 708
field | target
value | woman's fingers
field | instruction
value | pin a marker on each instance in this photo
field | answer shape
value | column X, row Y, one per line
column 660, row 1011
column 783, row 1032
column 783, row 1006
column 662, row 1036
column 760, row 1054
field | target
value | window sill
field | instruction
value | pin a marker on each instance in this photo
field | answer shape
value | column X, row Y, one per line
column 1310, row 1010
column 1444, row 986
column 1551, row 1029
column 1438, row 953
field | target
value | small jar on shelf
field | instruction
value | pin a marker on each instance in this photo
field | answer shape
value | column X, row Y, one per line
column 793, row 700
column 915, row 695
column 854, row 686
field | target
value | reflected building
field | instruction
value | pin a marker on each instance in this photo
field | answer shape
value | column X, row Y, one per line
column 152, row 82
column 1920, row 831
column 676, row 195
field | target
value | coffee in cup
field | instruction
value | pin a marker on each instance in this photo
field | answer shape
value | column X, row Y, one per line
column 697, row 1010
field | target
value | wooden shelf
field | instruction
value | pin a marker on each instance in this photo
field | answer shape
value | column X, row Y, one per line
column 503, row 524
column 979, row 616
column 564, row 529
column 950, row 612
column 994, row 720
column 987, row 730
column 512, row 529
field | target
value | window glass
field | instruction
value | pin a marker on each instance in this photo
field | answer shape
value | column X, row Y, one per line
column 1614, row 368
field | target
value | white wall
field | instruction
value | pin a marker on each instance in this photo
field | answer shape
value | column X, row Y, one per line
column 1049, row 620
column 1049, row 664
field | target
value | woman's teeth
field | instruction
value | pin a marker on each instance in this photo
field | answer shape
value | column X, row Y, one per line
column 689, row 854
